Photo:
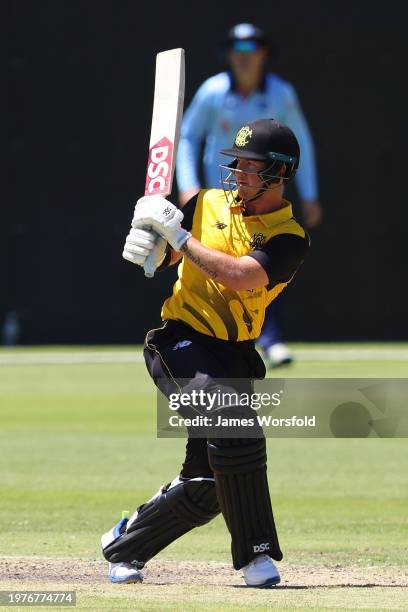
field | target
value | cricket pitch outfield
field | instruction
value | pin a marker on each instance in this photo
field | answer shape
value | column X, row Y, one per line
column 78, row 446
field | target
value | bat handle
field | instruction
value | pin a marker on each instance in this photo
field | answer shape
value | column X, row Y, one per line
column 149, row 267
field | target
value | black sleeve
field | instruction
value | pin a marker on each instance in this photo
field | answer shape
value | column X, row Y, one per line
column 281, row 256
column 188, row 212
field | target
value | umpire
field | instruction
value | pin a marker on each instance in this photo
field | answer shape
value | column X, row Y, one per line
column 238, row 248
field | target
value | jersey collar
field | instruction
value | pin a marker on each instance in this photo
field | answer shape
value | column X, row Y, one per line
column 274, row 218
column 261, row 87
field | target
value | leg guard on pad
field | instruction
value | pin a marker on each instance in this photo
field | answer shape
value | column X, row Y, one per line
column 176, row 509
column 239, row 467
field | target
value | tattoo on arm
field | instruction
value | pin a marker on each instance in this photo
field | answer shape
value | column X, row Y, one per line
column 197, row 261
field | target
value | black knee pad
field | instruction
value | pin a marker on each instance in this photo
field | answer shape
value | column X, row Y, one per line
column 239, row 467
column 174, row 511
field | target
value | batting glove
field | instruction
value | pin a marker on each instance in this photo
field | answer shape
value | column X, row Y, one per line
column 140, row 244
column 163, row 217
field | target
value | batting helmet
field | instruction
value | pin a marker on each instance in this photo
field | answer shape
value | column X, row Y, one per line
column 270, row 141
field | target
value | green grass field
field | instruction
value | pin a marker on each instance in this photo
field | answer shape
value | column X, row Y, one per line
column 78, row 445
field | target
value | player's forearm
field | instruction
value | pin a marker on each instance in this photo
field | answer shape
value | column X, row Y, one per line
column 225, row 269
column 306, row 176
column 306, row 180
column 236, row 273
column 185, row 196
column 188, row 162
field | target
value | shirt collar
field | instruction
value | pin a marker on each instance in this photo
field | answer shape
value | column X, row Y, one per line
column 261, row 87
column 274, row 218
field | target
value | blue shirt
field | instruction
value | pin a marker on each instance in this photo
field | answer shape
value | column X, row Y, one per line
column 216, row 113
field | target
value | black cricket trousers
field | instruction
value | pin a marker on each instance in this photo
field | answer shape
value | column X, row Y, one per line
column 176, row 351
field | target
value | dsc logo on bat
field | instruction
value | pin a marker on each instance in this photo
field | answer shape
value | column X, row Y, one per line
column 158, row 167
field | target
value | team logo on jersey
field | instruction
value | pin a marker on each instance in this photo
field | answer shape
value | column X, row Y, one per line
column 257, row 241
column 243, row 136
column 220, row 225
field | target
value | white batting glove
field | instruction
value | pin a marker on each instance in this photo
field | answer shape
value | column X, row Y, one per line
column 141, row 243
column 156, row 256
column 163, row 217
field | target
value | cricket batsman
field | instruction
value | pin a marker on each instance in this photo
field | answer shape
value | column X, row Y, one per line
column 238, row 249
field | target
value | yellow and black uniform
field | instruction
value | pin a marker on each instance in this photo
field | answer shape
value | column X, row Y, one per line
column 210, row 331
column 275, row 239
column 207, row 345
column 208, row 342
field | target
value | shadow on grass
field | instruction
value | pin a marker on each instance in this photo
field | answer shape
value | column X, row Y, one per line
column 288, row 587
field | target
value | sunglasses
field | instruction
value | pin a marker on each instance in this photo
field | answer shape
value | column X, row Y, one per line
column 244, row 46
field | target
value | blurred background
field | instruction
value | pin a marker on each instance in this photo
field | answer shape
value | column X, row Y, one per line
column 76, row 103
column 78, row 92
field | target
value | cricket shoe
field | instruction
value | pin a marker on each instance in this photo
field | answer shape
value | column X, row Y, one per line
column 277, row 355
column 124, row 573
column 261, row 572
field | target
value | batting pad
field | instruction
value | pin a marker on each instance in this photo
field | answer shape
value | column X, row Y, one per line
column 239, row 467
column 176, row 509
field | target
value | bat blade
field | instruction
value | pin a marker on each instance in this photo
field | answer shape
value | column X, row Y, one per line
column 166, row 121
column 165, row 131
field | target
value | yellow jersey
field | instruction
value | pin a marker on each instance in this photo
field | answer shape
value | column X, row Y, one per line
column 274, row 239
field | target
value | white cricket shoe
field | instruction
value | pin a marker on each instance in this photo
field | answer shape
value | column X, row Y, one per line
column 124, row 573
column 261, row 572
column 277, row 355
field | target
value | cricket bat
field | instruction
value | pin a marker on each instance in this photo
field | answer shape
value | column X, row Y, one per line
column 165, row 130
